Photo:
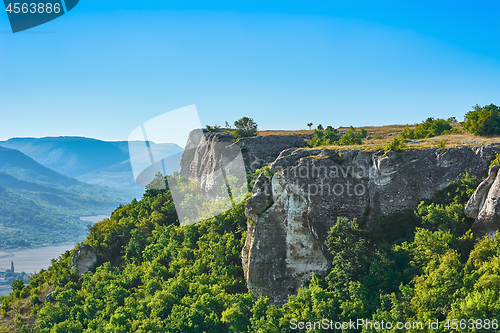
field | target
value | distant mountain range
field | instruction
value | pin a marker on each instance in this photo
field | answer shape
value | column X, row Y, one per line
column 41, row 206
column 88, row 160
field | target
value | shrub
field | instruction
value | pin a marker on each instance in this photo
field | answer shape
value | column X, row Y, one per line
column 6, row 302
column 496, row 161
column 214, row 128
column 34, row 300
column 483, row 120
column 324, row 138
column 24, row 292
column 266, row 170
column 429, row 128
column 17, row 286
column 395, row 145
column 442, row 145
column 331, row 136
column 353, row 137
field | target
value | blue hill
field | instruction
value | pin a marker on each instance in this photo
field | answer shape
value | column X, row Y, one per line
column 89, row 160
column 41, row 206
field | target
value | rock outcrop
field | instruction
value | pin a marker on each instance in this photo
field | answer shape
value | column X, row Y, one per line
column 50, row 297
column 209, row 158
column 208, row 153
column 84, row 259
column 484, row 206
column 259, row 151
column 220, row 167
column 290, row 215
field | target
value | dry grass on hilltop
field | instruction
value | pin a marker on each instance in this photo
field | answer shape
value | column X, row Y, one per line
column 372, row 130
column 452, row 140
column 285, row 132
column 381, row 135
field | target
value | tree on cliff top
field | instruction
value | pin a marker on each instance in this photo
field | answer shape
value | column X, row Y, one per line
column 245, row 127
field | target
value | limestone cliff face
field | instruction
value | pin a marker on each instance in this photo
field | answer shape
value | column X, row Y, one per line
column 208, row 153
column 290, row 214
column 484, row 205
column 208, row 158
column 259, row 151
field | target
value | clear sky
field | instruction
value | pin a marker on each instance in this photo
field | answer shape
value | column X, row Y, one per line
column 107, row 66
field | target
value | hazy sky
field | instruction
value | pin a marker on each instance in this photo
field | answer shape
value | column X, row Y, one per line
column 106, row 67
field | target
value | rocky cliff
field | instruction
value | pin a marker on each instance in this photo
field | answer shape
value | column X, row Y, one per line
column 208, row 153
column 484, row 206
column 290, row 214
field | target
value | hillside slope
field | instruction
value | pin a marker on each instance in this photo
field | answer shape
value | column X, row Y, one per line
column 40, row 206
column 22, row 167
column 88, row 160
column 154, row 276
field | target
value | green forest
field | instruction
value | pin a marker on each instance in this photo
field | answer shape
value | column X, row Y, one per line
column 156, row 276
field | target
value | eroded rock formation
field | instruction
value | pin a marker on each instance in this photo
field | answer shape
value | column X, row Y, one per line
column 484, row 205
column 209, row 157
column 259, row 151
column 207, row 153
column 84, row 259
column 290, row 214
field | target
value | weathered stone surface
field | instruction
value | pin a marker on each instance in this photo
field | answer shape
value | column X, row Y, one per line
column 207, row 153
column 484, row 205
column 50, row 297
column 208, row 158
column 311, row 188
column 260, row 201
column 261, row 198
column 476, row 201
column 259, row 151
column 84, row 259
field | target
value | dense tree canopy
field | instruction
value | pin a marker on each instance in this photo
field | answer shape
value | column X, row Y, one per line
column 332, row 136
column 427, row 129
column 483, row 120
column 155, row 276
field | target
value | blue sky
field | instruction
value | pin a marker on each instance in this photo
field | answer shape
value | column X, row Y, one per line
column 107, row 66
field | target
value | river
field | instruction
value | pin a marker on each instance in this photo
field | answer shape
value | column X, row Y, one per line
column 31, row 260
